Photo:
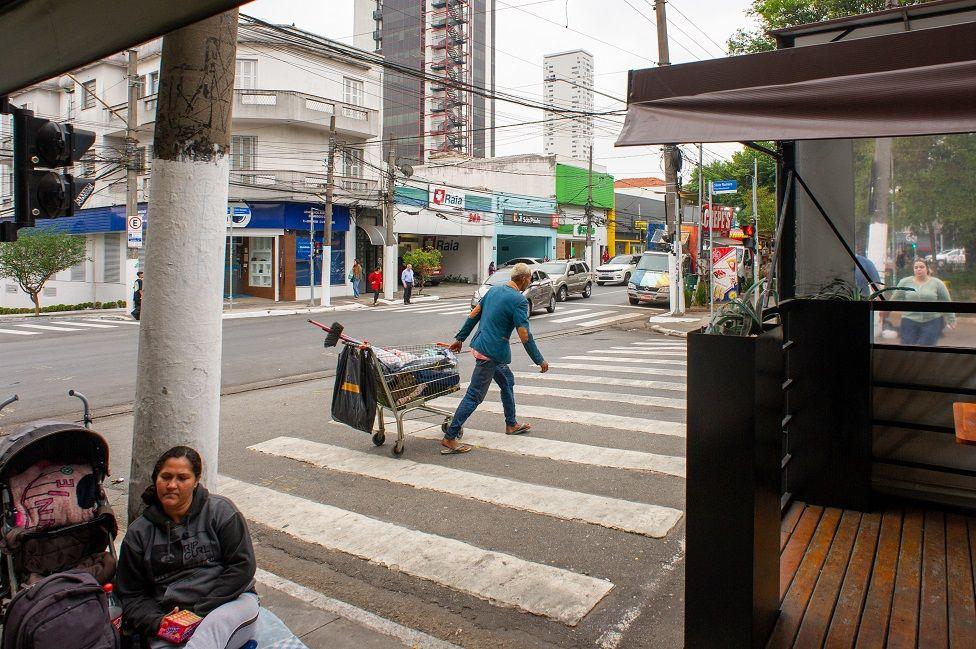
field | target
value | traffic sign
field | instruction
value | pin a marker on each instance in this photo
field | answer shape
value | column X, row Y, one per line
column 725, row 186
column 133, row 226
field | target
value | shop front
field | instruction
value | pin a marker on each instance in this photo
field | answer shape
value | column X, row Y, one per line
column 526, row 227
column 463, row 239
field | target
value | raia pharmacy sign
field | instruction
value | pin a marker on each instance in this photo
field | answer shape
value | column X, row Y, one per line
column 446, row 199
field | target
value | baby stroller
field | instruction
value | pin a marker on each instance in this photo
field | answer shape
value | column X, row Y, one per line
column 55, row 515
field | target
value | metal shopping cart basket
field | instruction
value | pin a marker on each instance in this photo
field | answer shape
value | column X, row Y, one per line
column 405, row 378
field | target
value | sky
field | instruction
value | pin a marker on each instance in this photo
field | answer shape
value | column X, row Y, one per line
column 619, row 34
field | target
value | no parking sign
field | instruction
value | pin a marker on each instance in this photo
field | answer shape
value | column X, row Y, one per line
column 133, row 226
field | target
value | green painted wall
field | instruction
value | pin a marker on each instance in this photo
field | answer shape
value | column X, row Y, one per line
column 571, row 187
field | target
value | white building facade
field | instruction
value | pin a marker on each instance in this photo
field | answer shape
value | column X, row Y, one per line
column 285, row 97
column 568, row 84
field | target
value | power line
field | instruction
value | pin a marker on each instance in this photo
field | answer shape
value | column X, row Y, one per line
column 721, row 48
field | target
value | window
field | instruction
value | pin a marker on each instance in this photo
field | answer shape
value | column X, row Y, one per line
column 242, row 148
column 111, row 257
column 88, row 95
column 352, row 163
column 149, row 84
column 353, row 91
column 79, row 270
column 245, row 76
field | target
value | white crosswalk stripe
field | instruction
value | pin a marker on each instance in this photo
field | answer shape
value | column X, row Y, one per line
column 126, row 322
column 595, row 395
column 659, row 343
column 677, row 362
column 91, row 325
column 534, row 446
column 662, row 348
column 601, row 380
column 500, row 578
column 639, row 518
column 584, row 317
column 624, row 369
column 595, row 419
column 47, row 327
column 606, row 321
column 558, row 313
column 642, row 352
column 19, row 333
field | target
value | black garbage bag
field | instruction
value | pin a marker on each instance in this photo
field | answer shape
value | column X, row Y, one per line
column 354, row 394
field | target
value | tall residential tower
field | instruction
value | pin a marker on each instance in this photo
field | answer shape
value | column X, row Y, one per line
column 437, row 92
column 568, row 78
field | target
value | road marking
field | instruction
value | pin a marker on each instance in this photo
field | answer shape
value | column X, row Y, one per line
column 602, row 380
column 559, row 312
column 615, row 359
column 658, row 343
column 669, row 318
column 409, row 637
column 583, row 317
column 128, row 322
column 642, row 352
column 606, row 321
column 598, row 419
column 46, row 327
column 663, row 348
column 640, row 518
column 593, row 395
column 19, row 333
column 617, row 368
column 455, row 311
column 85, row 324
column 499, row 578
column 556, row 450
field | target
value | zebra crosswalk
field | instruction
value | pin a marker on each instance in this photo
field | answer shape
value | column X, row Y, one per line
column 566, row 313
column 586, row 413
column 88, row 325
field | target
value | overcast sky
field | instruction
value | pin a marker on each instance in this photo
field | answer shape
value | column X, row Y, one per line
column 612, row 30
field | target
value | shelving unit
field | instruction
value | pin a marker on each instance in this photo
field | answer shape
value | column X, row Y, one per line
column 261, row 266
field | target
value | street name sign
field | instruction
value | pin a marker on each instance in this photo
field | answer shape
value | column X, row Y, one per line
column 725, row 186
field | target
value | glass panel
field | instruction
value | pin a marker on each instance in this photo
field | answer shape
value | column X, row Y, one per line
column 260, row 268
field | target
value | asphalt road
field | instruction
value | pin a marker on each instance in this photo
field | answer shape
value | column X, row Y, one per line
column 42, row 364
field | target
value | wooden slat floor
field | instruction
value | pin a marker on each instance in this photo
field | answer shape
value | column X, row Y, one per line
column 900, row 578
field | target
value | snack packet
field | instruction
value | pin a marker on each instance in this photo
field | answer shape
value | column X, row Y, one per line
column 178, row 627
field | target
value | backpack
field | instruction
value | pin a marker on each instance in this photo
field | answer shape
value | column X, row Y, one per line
column 68, row 610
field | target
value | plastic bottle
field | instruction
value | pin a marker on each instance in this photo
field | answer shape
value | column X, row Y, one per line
column 114, row 606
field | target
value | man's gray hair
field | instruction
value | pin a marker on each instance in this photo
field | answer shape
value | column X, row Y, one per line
column 521, row 270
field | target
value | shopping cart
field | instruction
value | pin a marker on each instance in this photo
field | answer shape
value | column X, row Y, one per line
column 406, row 378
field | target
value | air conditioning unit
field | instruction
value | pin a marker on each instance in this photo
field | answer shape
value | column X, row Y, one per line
column 377, row 36
column 377, row 14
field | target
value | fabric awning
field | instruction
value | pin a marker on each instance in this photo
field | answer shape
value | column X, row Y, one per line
column 911, row 83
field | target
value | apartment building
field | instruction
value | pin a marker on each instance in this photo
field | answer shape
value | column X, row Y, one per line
column 285, row 96
column 568, row 84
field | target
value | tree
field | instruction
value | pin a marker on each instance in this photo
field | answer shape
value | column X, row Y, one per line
column 740, row 168
column 777, row 14
column 425, row 261
column 36, row 256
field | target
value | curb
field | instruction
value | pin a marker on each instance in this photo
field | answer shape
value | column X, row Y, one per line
column 61, row 314
column 278, row 312
column 669, row 332
column 422, row 298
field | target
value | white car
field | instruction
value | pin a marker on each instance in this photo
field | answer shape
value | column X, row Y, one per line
column 618, row 270
column 953, row 257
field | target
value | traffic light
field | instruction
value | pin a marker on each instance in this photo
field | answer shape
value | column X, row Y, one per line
column 749, row 240
column 41, row 149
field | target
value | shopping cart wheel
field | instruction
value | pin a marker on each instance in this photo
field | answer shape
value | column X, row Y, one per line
column 447, row 424
column 398, row 448
column 379, row 439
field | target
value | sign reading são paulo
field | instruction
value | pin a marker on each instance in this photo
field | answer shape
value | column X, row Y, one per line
column 535, row 219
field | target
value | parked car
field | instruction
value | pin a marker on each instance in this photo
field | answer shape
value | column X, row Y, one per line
column 569, row 277
column 651, row 281
column 523, row 260
column 540, row 292
column 953, row 257
column 618, row 270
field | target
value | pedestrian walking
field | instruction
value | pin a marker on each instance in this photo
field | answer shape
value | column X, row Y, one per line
column 137, row 296
column 356, row 277
column 407, row 278
column 491, row 269
column 923, row 327
column 376, row 283
column 502, row 310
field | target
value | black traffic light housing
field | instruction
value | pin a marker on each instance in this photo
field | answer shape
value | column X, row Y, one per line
column 41, row 148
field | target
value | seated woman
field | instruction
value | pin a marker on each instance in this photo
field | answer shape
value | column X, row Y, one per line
column 189, row 550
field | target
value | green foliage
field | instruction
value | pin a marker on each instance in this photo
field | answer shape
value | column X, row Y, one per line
column 740, row 168
column 36, row 256
column 738, row 316
column 847, row 291
column 701, row 293
column 60, row 308
column 457, row 279
column 424, row 261
column 777, row 14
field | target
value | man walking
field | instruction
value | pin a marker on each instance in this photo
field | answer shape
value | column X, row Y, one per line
column 502, row 310
column 137, row 296
column 376, row 283
column 407, row 278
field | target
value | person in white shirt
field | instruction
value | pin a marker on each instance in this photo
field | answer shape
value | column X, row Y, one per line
column 407, row 278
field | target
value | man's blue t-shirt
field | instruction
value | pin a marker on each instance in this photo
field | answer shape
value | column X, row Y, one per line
column 503, row 309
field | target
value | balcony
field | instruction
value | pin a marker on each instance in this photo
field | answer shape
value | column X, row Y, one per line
column 256, row 106
column 288, row 184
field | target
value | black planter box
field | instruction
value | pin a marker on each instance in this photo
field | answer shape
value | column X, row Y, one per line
column 735, row 410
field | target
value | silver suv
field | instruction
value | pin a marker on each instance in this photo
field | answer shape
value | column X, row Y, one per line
column 569, row 277
column 540, row 293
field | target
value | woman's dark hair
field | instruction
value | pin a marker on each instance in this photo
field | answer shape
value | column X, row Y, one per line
column 175, row 453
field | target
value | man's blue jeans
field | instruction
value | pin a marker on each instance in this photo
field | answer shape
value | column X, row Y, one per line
column 484, row 372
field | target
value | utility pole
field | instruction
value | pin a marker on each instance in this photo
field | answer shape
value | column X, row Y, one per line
column 311, row 256
column 131, row 175
column 668, row 153
column 755, row 225
column 389, row 254
column 588, row 252
column 327, row 237
column 178, row 373
column 701, row 199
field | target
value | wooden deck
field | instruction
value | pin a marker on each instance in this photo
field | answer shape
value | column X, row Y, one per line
column 900, row 578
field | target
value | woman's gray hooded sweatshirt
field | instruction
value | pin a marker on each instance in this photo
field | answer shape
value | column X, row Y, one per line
column 198, row 564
